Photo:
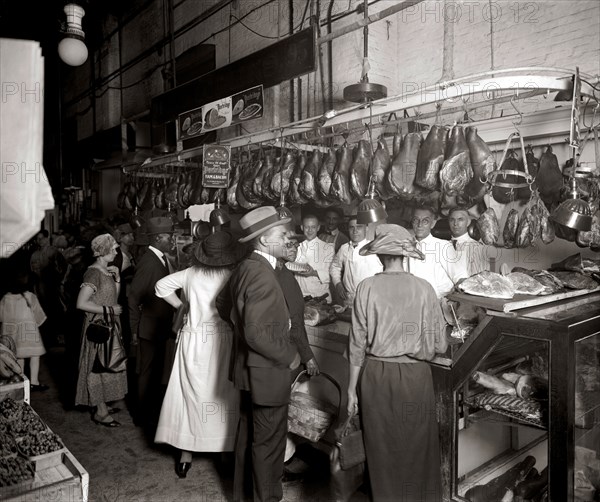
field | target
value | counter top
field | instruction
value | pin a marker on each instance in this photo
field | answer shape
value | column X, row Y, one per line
column 334, row 336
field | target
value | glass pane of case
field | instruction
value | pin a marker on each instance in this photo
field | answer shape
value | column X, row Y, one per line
column 587, row 419
column 502, row 446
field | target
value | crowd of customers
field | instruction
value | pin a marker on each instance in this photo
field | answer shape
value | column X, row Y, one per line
column 236, row 320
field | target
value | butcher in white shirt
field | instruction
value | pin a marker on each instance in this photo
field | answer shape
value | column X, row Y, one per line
column 471, row 254
column 349, row 268
column 318, row 255
column 441, row 266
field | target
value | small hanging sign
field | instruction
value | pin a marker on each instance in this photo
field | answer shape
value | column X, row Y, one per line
column 574, row 130
column 216, row 166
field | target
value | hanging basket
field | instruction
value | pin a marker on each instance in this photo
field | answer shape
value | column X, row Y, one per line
column 497, row 178
column 308, row 416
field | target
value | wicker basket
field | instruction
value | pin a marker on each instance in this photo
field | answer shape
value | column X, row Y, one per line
column 308, row 416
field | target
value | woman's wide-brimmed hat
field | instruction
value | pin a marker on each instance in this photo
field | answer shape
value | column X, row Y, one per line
column 103, row 244
column 218, row 250
column 259, row 221
column 392, row 240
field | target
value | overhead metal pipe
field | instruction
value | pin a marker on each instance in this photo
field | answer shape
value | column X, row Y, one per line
column 373, row 18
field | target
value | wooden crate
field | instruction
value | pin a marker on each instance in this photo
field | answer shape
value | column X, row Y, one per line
column 47, row 460
column 18, row 391
column 66, row 481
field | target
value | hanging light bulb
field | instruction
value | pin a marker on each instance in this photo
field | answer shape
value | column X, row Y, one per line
column 72, row 49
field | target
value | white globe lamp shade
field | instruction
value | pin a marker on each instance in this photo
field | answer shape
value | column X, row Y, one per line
column 72, row 51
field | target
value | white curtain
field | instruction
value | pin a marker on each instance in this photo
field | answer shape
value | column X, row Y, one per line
column 25, row 192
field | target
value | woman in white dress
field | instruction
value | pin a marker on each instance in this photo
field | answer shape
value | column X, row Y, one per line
column 201, row 407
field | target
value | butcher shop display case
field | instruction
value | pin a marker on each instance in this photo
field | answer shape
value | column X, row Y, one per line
column 519, row 405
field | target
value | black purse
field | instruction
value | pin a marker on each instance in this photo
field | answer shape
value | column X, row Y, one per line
column 111, row 356
column 99, row 328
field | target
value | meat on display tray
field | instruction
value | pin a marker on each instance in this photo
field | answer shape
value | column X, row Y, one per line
column 518, row 301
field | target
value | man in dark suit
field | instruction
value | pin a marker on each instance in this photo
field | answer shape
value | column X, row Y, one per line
column 151, row 317
column 331, row 232
column 263, row 355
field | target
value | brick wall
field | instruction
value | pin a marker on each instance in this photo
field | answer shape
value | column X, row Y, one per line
column 404, row 50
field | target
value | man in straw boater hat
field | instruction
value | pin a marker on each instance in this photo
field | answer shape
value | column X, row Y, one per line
column 150, row 318
column 397, row 325
column 263, row 355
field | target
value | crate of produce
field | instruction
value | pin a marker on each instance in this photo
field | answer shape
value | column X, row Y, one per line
column 67, row 481
column 16, row 388
column 43, row 448
column 16, row 475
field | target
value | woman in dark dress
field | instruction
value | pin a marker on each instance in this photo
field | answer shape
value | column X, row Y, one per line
column 397, row 325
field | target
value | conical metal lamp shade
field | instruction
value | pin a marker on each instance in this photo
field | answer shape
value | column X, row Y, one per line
column 370, row 211
column 284, row 213
column 218, row 217
column 574, row 213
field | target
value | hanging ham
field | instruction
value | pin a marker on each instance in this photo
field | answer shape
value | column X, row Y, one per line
column 308, row 183
column 396, row 144
column 325, row 175
column 430, row 158
column 456, row 170
column 509, row 234
column 272, row 165
column 489, row 227
column 482, row 162
column 247, row 182
column 295, row 196
column 359, row 172
column 231, row 191
column 281, row 179
column 244, row 186
column 402, row 172
column 380, row 168
column 340, row 184
column 549, row 178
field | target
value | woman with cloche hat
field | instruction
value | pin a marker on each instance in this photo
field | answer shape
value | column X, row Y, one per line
column 397, row 325
column 200, row 408
column 99, row 290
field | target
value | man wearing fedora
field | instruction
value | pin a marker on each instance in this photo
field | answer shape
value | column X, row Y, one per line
column 151, row 318
column 263, row 355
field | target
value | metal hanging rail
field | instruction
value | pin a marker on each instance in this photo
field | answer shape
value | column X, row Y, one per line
column 517, row 81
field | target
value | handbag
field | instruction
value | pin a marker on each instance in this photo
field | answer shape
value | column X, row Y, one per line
column 111, row 356
column 99, row 328
column 350, row 443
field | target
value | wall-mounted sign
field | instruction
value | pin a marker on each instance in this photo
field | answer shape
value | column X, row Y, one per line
column 247, row 105
column 190, row 123
column 216, row 166
column 222, row 113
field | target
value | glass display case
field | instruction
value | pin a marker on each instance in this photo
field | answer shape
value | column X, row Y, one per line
column 519, row 406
